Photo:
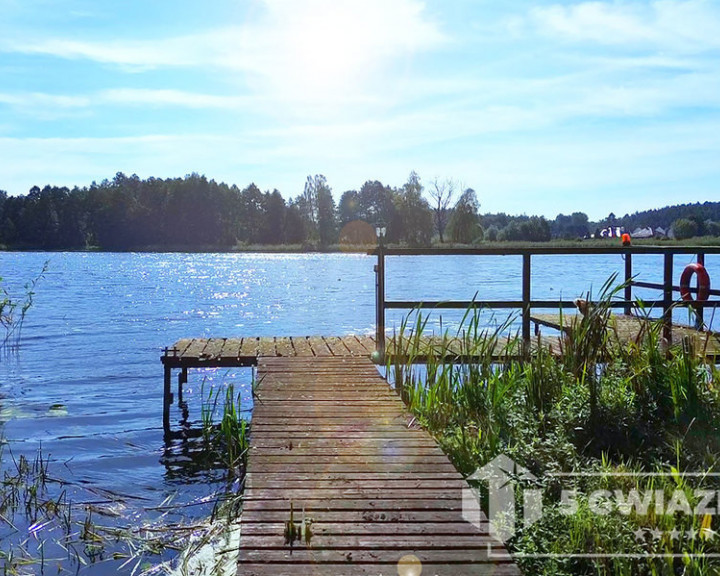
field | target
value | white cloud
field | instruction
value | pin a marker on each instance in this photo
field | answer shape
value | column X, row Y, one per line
column 135, row 96
column 45, row 107
column 292, row 50
column 42, row 100
column 684, row 26
column 135, row 55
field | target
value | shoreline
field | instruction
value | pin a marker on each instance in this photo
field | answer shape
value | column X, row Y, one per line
column 364, row 249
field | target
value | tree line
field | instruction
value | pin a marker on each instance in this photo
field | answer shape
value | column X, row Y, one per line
column 193, row 212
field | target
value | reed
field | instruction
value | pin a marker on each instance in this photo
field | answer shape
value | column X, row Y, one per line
column 226, row 441
column 626, row 411
column 44, row 532
column 13, row 310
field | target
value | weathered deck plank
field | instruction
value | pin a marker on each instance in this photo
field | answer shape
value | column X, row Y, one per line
column 229, row 352
column 331, row 439
column 633, row 328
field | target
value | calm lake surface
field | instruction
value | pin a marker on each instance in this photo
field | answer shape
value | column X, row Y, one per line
column 86, row 381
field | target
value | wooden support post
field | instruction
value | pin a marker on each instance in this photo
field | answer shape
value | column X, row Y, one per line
column 526, row 302
column 380, row 304
column 628, row 283
column 182, row 379
column 167, row 400
column 700, row 310
column 667, row 296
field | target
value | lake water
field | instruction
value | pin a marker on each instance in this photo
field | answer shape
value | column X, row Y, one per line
column 86, row 381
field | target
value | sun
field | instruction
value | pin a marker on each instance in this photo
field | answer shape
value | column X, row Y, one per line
column 330, row 54
column 327, row 50
column 320, row 52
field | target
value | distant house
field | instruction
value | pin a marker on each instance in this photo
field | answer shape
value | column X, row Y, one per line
column 643, row 233
column 612, row 232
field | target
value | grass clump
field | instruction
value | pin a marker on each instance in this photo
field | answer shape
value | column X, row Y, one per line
column 225, row 442
column 13, row 311
column 636, row 421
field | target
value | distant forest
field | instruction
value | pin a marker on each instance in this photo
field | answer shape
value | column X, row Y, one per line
column 193, row 212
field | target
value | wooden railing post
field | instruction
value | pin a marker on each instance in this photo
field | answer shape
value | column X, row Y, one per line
column 700, row 310
column 628, row 283
column 380, row 304
column 526, row 269
column 667, row 296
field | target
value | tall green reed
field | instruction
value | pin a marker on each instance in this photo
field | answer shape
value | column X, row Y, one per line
column 600, row 402
column 227, row 440
column 14, row 310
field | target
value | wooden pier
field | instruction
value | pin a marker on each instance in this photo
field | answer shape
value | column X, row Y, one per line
column 240, row 352
column 341, row 481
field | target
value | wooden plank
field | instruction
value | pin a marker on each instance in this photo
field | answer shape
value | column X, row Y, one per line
column 347, row 452
column 334, row 442
column 425, row 517
column 181, row 345
column 347, row 398
column 250, row 347
column 367, row 342
column 213, row 348
column 336, row 346
column 379, row 444
column 240, row 351
column 631, row 329
column 370, row 528
column 319, row 347
column 231, row 349
column 362, row 476
column 295, row 568
column 321, row 483
column 469, row 541
column 266, row 347
column 284, row 346
column 302, row 554
column 332, row 493
column 382, row 410
column 195, row 348
column 354, row 346
column 302, row 347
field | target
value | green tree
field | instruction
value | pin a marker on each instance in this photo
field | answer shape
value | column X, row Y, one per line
column 376, row 205
column 327, row 222
column 348, row 208
column 295, row 224
column 274, row 230
column 712, row 228
column 685, row 228
column 491, row 233
column 574, row 226
column 415, row 215
column 252, row 215
column 464, row 225
column 317, row 207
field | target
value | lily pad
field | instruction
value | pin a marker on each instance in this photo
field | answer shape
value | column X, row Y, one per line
column 57, row 410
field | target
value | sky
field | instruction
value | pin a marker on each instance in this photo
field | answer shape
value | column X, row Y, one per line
column 542, row 107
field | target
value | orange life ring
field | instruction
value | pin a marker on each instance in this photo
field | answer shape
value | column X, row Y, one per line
column 703, row 280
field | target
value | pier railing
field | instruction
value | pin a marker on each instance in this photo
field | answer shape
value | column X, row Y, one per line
column 667, row 288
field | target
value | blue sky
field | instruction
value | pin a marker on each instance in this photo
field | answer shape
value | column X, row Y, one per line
column 541, row 107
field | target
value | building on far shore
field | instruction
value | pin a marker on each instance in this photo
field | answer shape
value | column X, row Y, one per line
column 649, row 232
